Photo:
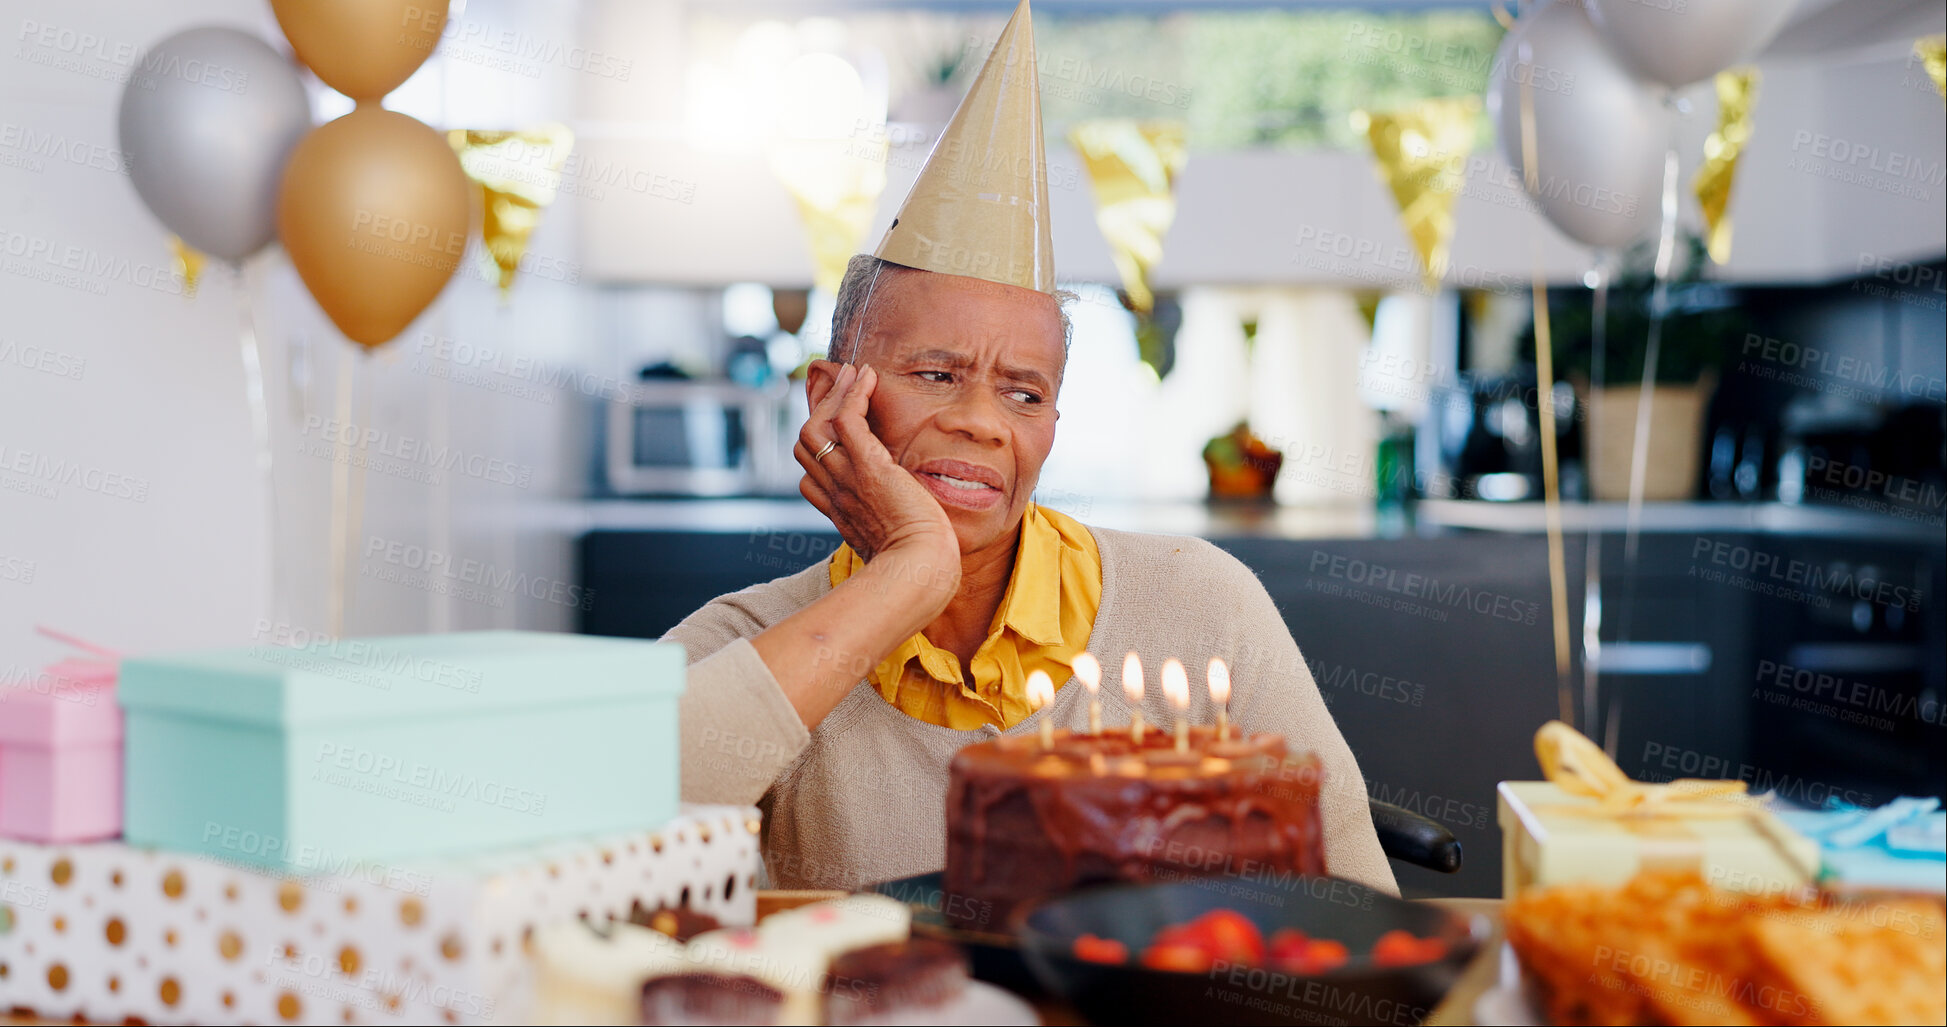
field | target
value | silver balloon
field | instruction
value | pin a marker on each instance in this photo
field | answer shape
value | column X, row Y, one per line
column 1599, row 134
column 208, row 117
column 1677, row 42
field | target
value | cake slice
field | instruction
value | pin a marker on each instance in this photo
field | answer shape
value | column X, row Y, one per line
column 736, row 976
column 837, row 926
column 900, row 979
column 589, row 975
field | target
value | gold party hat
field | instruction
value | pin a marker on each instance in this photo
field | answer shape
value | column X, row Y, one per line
column 980, row 205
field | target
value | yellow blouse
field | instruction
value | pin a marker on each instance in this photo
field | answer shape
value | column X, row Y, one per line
column 1043, row 623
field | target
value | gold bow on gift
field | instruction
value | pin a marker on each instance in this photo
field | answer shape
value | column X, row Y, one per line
column 1580, row 767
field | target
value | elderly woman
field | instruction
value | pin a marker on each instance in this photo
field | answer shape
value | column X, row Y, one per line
column 834, row 698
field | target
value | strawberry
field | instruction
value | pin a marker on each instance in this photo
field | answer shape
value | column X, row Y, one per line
column 1092, row 949
column 1229, row 936
column 1178, row 957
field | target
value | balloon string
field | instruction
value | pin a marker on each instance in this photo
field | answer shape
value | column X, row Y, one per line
column 355, row 514
column 1545, row 396
column 253, row 392
column 1639, row 452
column 340, row 495
column 1592, row 551
column 1639, row 455
column 439, row 509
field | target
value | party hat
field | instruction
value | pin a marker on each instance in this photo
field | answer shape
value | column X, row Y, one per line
column 980, row 205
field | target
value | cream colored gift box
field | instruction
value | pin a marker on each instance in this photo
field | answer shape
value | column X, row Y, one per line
column 1544, row 842
column 107, row 932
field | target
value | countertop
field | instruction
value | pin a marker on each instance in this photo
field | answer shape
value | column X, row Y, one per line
column 1430, row 518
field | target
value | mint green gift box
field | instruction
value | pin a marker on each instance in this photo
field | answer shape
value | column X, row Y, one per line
column 314, row 757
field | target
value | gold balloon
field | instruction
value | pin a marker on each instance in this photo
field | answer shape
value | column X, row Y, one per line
column 1422, row 155
column 1133, row 166
column 1737, row 94
column 362, row 48
column 374, row 213
column 518, row 175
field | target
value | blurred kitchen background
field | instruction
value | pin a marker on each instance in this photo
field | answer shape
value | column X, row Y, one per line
column 605, row 444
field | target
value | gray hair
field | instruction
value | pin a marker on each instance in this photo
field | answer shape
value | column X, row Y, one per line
column 863, row 274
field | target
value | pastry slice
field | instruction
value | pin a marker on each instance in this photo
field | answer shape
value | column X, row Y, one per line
column 590, row 975
column 735, row 977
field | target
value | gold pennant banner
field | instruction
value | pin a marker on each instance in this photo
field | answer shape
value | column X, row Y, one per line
column 518, row 174
column 1422, row 152
column 1737, row 96
column 1133, row 166
column 189, row 263
column 1932, row 52
column 836, row 184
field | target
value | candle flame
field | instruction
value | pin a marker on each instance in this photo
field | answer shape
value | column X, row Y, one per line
column 1176, row 684
column 1132, row 678
column 1219, row 682
column 1089, row 670
column 1041, row 689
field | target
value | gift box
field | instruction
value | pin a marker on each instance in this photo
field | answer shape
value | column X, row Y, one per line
column 399, row 748
column 1550, row 836
column 109, row 932
column 1589, row 822
column 1901, row 846
column 61, row 755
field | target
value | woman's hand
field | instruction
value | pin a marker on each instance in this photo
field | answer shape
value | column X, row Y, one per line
column 820, row 653
column 879, row 508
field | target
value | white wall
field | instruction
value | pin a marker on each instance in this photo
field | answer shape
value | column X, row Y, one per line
column 1241, row 216
column 156, row 390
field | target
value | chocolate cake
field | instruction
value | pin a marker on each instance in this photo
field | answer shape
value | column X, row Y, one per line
column 709, row 998
column 901, row 979
column 1024, row 822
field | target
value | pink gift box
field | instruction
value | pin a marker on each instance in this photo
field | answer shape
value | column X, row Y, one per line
column 60, row 760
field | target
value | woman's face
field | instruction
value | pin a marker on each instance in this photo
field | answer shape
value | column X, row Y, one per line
column 968, row 375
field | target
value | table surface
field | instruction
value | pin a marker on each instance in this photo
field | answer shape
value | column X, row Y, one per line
column 1456, row 1009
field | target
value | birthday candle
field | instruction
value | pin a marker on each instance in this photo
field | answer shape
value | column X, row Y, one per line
column 1220, row 695
column 1132, row 686
column 1176, row 688
column 1089, row 670
column 1041, row 692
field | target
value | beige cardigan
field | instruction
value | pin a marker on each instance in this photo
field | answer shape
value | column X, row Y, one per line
column 862, row 799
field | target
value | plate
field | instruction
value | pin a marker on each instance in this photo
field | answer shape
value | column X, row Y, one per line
column 1511, row 1000
column 981, row 1004
column 995, row 957
column 1358, row 992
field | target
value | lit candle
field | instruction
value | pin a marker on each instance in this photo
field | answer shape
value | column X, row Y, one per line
column 1132, row 686
column 1089, row 670
column 1220, row 694
column 1041, row 692
column 1176, row 688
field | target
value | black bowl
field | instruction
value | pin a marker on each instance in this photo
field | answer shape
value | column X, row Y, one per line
column 993, row 956
column 1322, row 907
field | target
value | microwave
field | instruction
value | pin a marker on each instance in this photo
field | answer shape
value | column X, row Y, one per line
column 687, row 438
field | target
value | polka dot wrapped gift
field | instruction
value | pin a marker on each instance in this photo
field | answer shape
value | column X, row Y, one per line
column 108, row 932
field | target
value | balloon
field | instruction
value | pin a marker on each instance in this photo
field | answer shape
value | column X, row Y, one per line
column 1600, row 135
column 362, row 48
column 1677, row 42
column 208, row 117
column 374, row 214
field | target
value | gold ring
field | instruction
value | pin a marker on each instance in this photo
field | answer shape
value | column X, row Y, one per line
column 823, row 450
